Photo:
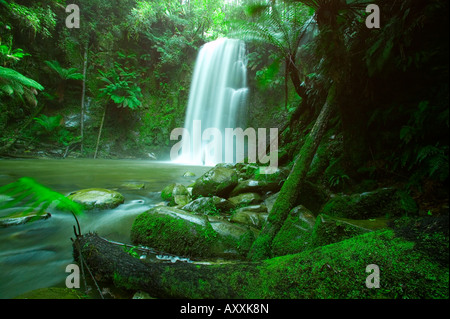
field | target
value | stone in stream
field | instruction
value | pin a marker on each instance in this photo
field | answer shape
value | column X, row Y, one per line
column 218, row 181
column 21, row 218
column 178, row 232
column 97, row 198
column 209, row 205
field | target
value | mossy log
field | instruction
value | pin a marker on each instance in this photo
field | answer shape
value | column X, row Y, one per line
column 333, row 271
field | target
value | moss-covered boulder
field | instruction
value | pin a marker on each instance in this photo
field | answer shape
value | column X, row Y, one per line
column 218, row 181
column 295, row 235
column 97, row 198
column 178, row 232
column 21, row 218
column 384, row 201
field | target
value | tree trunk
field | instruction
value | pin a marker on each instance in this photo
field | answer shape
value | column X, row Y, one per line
column 261, row 248
column 100, row 131
column 83, row 95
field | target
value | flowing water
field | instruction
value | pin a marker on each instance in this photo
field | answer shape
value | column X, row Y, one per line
column 217, row 101
column 35, row 255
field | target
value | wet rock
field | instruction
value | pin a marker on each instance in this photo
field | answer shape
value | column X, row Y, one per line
column 21, row 218
column 254, row 186
column 97, row 198
column 249, row 218
column 270, row 201
column 175, row 194
column 188, row 174
column 133, row 185
column 209, row 205
column 246, row 199
column 178, row 232
column 218, row 181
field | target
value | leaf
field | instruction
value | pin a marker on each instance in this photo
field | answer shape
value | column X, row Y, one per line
column 36, row 196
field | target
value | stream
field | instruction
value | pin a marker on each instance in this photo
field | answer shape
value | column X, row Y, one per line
column 35, row 255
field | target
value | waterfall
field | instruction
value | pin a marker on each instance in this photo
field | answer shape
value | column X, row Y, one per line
column 217, row 101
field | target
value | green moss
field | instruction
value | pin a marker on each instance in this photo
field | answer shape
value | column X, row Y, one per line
column 339, row 271
column 173, row 235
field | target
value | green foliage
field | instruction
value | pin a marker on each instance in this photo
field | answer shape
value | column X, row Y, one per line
column 120, row 87
column 15, row 84
column 36, row 197
column 64, row 74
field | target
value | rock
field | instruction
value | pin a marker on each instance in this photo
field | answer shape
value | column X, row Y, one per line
column 250, row 218
column 218, row 181
column 142, row 295
column 270, row 201
column 381, row 202
column 175, row 194
column 254, row 186
column 181, row 199
column 295, row 235
column 188, row 174
column 133, row 185
column 21, row 218
column 97, row 198
column 246, row 199
column 261, row 208
column 209, row 205
column 330, row 230
column 178, row 232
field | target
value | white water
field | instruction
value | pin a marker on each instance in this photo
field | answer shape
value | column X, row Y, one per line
column 217, row 98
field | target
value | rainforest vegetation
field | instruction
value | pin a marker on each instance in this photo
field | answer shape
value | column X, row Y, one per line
column 359, row 110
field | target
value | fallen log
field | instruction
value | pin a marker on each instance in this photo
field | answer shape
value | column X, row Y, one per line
column 333, row 271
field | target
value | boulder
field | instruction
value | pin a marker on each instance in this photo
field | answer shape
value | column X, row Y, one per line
column 21, row 218
column 175, row 194
column 254, row 186
column 249, row 218
column 209, row 205
column 246, row 199
column 97, row 198
column 178, row 232
column 218, row 181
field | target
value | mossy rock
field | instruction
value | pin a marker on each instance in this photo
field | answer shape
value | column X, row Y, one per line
column 329, row 230
column 246, row 199
column 21, row 218
column 175, row 194
column 97, row 198
column 52, row 293
column 254, row 219
column 218, row 181
column 209, row 206
column 181, row 233
column 295, row 235
column 384, row 201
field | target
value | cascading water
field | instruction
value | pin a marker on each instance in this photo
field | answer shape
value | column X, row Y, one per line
column 217, row 101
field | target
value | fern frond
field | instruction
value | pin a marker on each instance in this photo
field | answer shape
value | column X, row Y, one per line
column 36, row 197
column 14, row 76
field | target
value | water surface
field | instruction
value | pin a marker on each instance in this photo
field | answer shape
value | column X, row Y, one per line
column 35, row 255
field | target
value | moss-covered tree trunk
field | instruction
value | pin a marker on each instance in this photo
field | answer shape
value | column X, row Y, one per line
column 261, row 248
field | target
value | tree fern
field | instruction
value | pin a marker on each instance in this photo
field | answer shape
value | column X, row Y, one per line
column 64, row 74
column 11, row 76
column 36, row 197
